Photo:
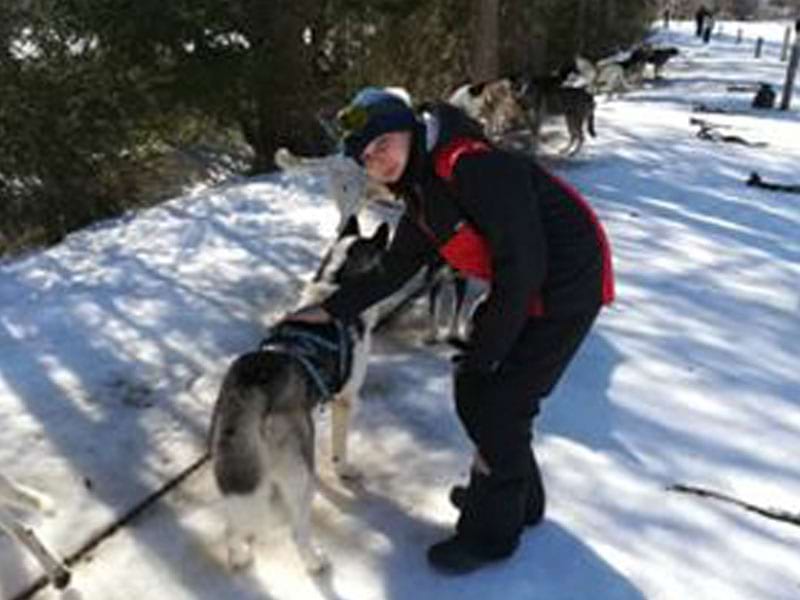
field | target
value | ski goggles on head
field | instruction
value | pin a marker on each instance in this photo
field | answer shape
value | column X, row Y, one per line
column 352, row 119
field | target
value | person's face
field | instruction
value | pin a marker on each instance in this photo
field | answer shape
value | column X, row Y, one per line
column 386, row 156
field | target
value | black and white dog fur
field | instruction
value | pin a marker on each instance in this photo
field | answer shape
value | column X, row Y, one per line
column 530, row 100
column 542, row 97
column 351, row 190
column 619, row 74
column 604, row 76
column 14, row 496
column 262, row 435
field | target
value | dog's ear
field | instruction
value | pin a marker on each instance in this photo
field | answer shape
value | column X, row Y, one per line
column 350, row 228
column 476, row 89
column 381, row 235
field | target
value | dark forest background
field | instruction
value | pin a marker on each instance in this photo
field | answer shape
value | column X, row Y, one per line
column 107, row 105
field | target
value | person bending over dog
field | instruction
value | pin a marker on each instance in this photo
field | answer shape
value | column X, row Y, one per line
column 500, row 217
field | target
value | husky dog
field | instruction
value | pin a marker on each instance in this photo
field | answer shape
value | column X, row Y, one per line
column 620, row 73
column 501, row 102
column 491, row 103
column 603, row 76
column 16, row 496
column 347, row 183
column 541, row 99
column 262, row 432
column 658, row 57
column 635, row 63
column 351, row 191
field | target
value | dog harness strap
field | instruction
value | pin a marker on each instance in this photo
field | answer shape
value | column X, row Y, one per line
column 313, row 351
column 316, row 376
column 301, row 356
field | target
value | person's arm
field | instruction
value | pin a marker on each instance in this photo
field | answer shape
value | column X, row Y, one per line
column 496, row 193
column 407, row 252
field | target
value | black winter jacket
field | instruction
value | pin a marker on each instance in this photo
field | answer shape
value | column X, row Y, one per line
column 498, row 216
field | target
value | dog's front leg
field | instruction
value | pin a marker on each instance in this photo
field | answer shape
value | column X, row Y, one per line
column 340, row 417
column 55, row 569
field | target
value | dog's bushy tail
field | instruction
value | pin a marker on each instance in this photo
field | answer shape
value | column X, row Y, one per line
column 236, row 448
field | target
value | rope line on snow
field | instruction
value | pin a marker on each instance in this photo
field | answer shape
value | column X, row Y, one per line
column 770, row 513
column 105, row 533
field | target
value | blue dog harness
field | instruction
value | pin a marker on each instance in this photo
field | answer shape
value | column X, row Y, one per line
column 325, row 351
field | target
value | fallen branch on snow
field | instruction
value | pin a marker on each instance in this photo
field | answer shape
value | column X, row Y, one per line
column 709, row 131
column 756, row 181
column 770, row 513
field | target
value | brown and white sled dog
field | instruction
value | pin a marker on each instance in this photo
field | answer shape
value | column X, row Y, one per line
column 491, row 103
column 501, row 103
column 263, row 431
column 16, row 496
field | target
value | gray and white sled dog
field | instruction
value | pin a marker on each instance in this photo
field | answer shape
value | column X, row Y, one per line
column 263, row 430
column 604, row 76
column 16, row 496
column 347, row 183
column 351, row 190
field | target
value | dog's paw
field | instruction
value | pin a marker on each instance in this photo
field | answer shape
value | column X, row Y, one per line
column 347, row 472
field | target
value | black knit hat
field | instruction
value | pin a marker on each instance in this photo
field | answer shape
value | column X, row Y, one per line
column 371, row 113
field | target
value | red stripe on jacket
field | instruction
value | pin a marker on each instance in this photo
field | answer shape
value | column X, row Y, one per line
column 467, row 251
column 605, row 248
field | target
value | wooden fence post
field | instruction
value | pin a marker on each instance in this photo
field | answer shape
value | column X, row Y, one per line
column 759, row 43
column 786, row 39
column 790, row 75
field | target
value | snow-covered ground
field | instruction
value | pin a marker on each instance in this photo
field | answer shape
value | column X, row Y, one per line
column 112, row 345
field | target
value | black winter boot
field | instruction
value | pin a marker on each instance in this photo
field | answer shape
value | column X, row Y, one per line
column 457, row 556
column 534, row 509
column 534, row 503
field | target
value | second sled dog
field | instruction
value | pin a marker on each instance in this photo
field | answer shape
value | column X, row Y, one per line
column 263, row 431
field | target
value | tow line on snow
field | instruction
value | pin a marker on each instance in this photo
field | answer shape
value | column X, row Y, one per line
column 770, row 513
column 111, row 529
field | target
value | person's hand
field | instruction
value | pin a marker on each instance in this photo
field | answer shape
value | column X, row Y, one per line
column 310, row 314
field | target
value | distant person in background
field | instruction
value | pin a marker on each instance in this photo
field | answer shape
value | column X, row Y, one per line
column 699, row 19
column 708, row 27
column 666, row 17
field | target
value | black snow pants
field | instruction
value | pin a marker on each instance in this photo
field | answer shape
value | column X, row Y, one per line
column 497, row 412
